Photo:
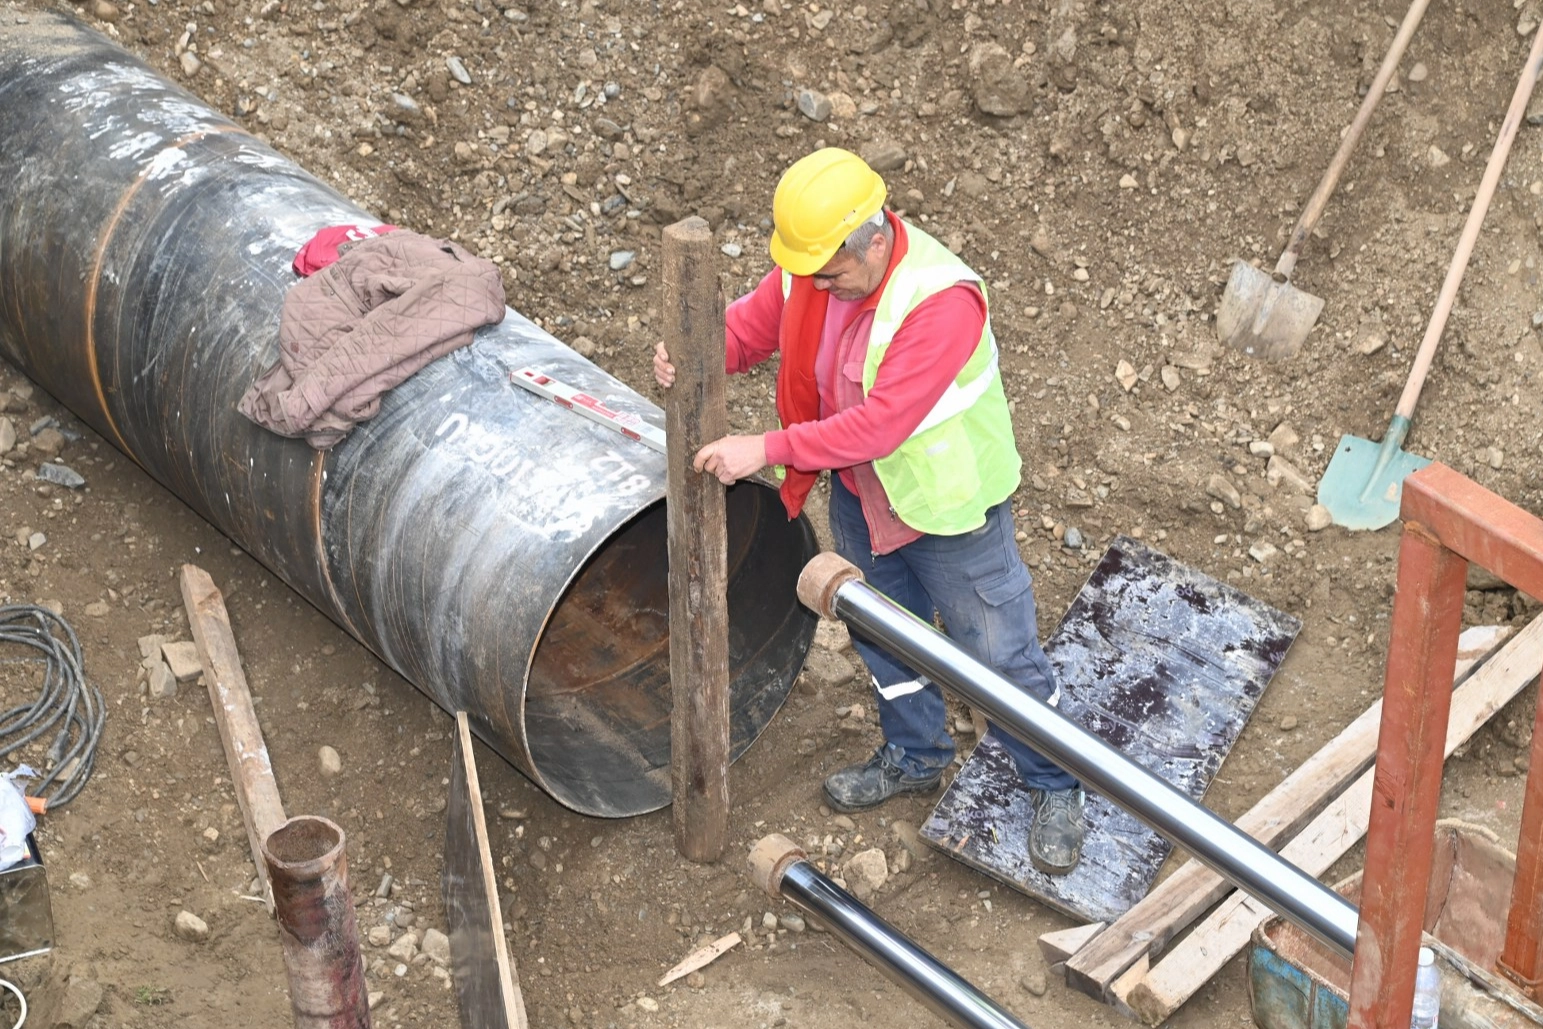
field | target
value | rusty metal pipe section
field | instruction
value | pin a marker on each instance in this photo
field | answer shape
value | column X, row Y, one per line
column 779, row 866
column 504, row 555
column 834, row 588
column 307, row 866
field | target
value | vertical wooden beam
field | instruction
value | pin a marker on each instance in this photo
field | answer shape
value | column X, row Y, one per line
column 1400, row 838
column 695, row 414
column 1521, row 961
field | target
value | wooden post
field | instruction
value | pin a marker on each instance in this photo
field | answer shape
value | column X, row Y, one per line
column 699, row 622
column 1400, row 839
column 1521, row 961
column 250, row 770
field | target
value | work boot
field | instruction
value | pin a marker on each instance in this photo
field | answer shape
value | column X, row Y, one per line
column 1055, row 839
column 859, row 787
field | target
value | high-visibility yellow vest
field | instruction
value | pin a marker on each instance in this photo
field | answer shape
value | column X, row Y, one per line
column 962, row 459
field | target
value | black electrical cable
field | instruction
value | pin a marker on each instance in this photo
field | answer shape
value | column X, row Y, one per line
column 68, row 706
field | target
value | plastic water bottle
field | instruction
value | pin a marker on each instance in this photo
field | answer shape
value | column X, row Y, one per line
column 1427, row 992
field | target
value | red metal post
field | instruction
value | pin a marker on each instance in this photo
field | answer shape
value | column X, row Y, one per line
column 1521, row 960
column 1400, row 839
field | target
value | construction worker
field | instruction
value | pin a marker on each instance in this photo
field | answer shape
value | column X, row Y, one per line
column 889, row 380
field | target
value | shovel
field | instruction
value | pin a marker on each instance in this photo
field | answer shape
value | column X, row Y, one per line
column 1365, row 480
column 1263, row 314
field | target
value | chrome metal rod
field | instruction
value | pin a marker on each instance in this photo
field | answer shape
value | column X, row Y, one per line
column 778, row 866
column 835, row 589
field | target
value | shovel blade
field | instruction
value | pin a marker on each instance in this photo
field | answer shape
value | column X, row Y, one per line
column 1263, row 317
column 1357, row 493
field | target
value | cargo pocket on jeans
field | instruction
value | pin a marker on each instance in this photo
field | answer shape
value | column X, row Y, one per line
column 1003, row 589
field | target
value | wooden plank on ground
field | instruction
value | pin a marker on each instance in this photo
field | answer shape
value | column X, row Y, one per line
column 487, row 986
column 695, row 414
column 1186, row 894
column 1191, row 963
column 257, row 792
column 1063, row 943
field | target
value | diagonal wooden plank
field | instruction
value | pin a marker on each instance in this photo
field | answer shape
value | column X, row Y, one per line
column 251, row 771
column 1186, row 894
column 1191, row 963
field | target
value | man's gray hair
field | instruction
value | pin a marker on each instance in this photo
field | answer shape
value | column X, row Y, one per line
column 857, row 243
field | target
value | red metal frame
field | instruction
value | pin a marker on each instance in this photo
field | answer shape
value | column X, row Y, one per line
column 1449, row 520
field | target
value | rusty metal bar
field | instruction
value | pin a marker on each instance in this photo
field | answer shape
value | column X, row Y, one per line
column 308, row 869
column 1400, row 838
column 1521, row 961
column 1482, row 526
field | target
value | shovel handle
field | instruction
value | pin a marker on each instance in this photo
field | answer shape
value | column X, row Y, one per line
column 1320, row 197
column 1481, row 199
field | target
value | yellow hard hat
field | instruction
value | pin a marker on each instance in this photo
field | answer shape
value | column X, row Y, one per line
column 821, row 199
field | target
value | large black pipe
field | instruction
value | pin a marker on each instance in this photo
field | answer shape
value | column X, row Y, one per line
column 504, row 555
column 835, row 588
column 778, row 866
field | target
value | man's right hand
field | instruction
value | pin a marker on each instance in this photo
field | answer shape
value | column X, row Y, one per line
column 664, row 371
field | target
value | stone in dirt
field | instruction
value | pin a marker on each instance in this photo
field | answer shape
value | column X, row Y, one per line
column 867, row 871
column 61, row 475
column 163, row 684
column 7, row 435
column 1125, row 374
column 48, row 442
column 77, row 1004
column 825, row 668
column 813, row 105
column 182, row 658
column 190, row 927
column 1283, row 437
column 1170, row 377
column 1281, row 472
column 149, row 646
column 883, row 155
column 98, row 609
column 1318, row 518
column 995, row 84
column 1263, row 551
column 437, row 946
column 1220, row 487
column 329, row 759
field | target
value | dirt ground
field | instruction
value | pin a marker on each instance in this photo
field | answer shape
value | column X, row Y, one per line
column 1101, row 169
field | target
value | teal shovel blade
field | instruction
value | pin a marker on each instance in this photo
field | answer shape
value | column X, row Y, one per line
column 1364, row 482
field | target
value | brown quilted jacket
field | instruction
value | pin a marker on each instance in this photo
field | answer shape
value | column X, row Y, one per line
column 387, row 307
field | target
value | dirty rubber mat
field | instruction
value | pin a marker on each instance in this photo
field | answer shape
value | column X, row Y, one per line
column 1162, row 662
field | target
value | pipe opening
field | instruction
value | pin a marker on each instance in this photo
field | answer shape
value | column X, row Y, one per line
column 597, row 705
column 303, row 840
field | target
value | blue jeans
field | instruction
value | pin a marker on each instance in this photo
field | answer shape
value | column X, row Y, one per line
column 978, row 582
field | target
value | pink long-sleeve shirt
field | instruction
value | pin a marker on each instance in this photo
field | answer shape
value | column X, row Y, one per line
column 927, row 353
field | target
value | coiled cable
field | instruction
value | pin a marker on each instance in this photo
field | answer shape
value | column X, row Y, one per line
column 21, row 1018
column 68, row 706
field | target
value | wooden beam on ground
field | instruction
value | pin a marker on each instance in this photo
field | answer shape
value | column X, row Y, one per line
column 695, row 414
column 1186, row 894
column 250, row 769
column 1060, row 945
column 1191, row 963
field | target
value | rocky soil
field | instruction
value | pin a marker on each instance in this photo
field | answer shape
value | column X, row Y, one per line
column 1100, row 163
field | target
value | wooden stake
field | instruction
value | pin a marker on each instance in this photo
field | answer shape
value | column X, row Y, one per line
column 699, row 624
column 250, row 769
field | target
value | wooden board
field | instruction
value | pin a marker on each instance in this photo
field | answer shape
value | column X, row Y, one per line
column 486, row 984
column 251, row 770
column 1189, row 892
column 1163, row 663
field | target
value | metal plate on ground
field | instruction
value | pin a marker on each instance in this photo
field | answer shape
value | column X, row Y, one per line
column 26, row 914
column 486, row 984
column 1165, row 664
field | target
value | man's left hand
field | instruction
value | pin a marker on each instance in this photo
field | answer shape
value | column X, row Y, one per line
column 732, row 458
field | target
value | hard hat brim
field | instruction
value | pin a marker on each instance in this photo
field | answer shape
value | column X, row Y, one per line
column 796, row 262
